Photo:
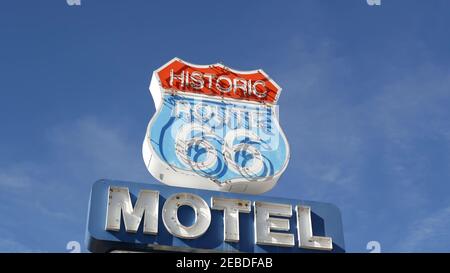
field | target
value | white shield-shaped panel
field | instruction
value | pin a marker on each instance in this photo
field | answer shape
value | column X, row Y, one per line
column 215, row 128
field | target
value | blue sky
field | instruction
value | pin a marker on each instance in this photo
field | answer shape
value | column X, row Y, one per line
column 365, row 106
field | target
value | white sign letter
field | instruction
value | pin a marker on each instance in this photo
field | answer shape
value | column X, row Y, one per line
column 202, row 215
column 231, row 209
column 264, row 224
column 119, row 203
column 305, row 234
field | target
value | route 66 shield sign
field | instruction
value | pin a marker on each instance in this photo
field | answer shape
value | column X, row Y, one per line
column 215, row 128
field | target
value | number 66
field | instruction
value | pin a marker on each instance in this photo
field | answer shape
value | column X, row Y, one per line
column 194, row 134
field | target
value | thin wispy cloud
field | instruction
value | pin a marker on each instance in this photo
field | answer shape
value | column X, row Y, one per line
column 91, row 147
column 428, row 233
column 14, row 180
column 86, row 150
column 10, row 245
column 396, row 130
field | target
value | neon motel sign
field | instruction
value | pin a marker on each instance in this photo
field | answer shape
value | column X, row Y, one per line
column 215, row 128
column 214, row 139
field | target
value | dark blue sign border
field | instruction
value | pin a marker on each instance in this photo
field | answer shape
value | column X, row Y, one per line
column 326, row 221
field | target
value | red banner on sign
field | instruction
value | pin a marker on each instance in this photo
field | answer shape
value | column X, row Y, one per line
column 219, row 81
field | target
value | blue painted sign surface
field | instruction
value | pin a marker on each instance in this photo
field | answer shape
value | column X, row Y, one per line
column 213, row 121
